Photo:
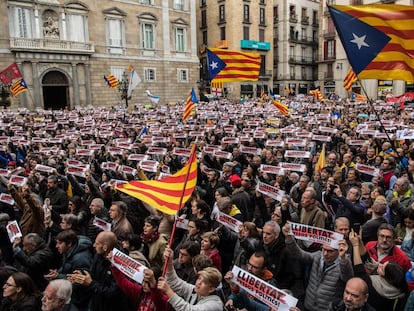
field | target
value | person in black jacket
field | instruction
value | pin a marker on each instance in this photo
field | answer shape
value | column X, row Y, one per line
column 34, row 258
column 99, row 284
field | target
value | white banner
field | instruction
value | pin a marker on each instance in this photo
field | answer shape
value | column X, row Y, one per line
column 13, row 231
column 230, row 222
column 128, row 266
column 315, row 234
column 366, row 169
column 102, row 224
column 263, row 291
column 270, row 191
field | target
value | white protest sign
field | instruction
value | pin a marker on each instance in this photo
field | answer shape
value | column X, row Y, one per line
column 297, row 154
column 263, row 291
column 366, row 169
column 296, row 167
column 6, row 198
column 181, row 223
column 128, row 266
column 230, row 222
column 315, row 234
column 18, row 181
column 270, row 191
column 102, row 224
column 13, row 230
column 271, row 169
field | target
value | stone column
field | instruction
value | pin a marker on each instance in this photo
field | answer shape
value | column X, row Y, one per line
column 88, row 85
column 75, row 86
column 36, row 87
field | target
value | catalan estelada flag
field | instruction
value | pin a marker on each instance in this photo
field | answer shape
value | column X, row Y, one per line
column 228, row 66
column 111, row 81
column 349, row 80
column 378, row 39
column 282, row 108
column 321, row 160
column 190, row 105
column 358, row 97
column 18, row 87
column 170, row 193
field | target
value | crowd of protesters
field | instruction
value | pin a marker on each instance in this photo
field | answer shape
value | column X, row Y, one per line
column 61, row 168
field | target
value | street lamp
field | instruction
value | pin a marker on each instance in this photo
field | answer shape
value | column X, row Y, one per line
column 123, row 88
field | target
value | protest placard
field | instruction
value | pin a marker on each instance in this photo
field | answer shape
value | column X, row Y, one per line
column 270, row 191
column 263, row 291
column 102, row 224
column 128, row 266
column 13, row 230
column 18, row 181
column 230, row 222
column 181, row 223
column 367, row 169
column 271, row 169
column 6, row 198
column 315, row 234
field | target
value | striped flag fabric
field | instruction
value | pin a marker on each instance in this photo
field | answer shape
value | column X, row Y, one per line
column 358, row 97
column 111, row 81
column 262, row 94
column 18, row 87
column 170, row 193
column 287, row 90
column 229, row 66
column 317, row 94
column 153, row 99
column 349, row 80
column 281, row 107
column 378, row 39
column 321, row 160
column 190, row 105
column 134, row 80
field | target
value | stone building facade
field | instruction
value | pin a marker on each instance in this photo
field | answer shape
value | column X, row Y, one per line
column 65, row 47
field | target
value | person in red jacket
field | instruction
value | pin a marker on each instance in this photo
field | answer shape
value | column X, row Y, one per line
column 384, row 249
column 149, row 297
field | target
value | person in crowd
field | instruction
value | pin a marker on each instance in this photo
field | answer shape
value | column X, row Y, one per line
column 370, row 228
column 187, row 297
column 77, row 207
column 120, row 224
column 384, row 249
column 33, row 257
column 257, row 266
column 400, row 199
column 240, row 198
column 97, row 209
column 183, row 265
column 195, row 229
column 57, row 196
column 249, row 239
column 405, row 228
column 209, row 242
column 132, row 245
column 387, row 288
column 19, row 294
column 355, row 297
column 200, row 211
column 212, row 185
column 387, row 175
column 99, row 285
column 154, row 243
column 331, row 269
column 70, row 221
column 57, row 296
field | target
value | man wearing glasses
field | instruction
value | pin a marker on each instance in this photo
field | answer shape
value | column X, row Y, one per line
column 384, row 249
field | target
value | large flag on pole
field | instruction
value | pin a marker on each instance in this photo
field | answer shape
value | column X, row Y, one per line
column 190, row 105
column 154, row 99
column 170, row 193
column 321, row 160
column 281, row 107
column 134, row 80
column 349, row 80
column 111, row 81
column 228, row 66
column 9, row 74
column 378, row 39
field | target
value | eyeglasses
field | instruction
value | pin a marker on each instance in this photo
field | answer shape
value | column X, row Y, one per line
column 385, row 237
column 253, row 267
column 9, row 285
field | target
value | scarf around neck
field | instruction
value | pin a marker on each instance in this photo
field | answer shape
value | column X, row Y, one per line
column 147, row 239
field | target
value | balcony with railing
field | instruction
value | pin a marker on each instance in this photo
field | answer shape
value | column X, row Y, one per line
column 328, row 75
column 329, row 35
column 293, row 18
column 301, row 60
column 295, row 38
column 51, row 45
column 305, row 20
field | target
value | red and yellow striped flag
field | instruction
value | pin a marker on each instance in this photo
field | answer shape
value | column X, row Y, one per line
column 190, row 105
column 169, row 194
column 282, row 108
column 317, row 93
column 349, row 80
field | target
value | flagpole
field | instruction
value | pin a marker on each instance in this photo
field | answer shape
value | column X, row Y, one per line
column 193, row 154
column 371, row 104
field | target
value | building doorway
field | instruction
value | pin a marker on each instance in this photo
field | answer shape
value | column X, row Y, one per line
column 55, row 91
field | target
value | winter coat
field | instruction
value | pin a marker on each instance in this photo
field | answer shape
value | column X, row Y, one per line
column 36, row 264
column 122, row 229
column 156, row 252
column 78, row 257
column 26, row 303
column 184, row 293
column 324, row 286
column 394, row 254
column 58, row 200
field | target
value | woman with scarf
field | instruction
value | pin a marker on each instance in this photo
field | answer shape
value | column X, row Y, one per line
column 154, row 243
column 388, row 289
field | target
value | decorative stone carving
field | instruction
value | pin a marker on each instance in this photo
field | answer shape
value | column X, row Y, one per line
column 51, row 24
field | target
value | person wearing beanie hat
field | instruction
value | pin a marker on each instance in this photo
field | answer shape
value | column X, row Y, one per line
column 235, row 181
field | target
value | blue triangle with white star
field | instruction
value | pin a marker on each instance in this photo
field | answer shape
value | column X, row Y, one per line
column 362, row 42
column 215, row 64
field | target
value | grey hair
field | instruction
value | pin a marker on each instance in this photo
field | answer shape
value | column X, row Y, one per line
column 274, row 224
column 63, row 289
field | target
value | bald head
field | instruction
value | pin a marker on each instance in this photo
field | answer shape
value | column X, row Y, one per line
column 105, row 242
column 355, row 294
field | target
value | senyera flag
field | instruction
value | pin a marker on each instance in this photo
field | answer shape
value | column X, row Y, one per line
column 168, row 194
column 378, row 39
